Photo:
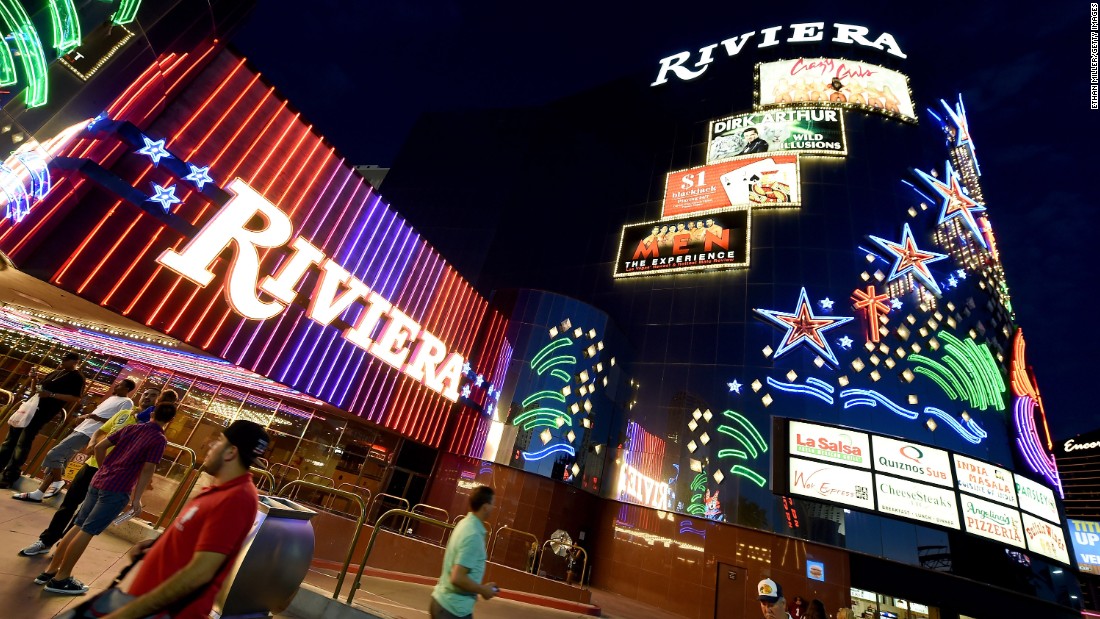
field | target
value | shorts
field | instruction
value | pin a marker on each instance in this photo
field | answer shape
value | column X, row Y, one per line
column 60, row 454
column 99, row 510
column 436, row 611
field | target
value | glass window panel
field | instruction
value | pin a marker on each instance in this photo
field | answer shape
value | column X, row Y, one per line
column 225, row 406
column 257, row 409
column 290, row 421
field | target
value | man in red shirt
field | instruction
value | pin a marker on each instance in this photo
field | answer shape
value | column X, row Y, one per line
column 187, row 565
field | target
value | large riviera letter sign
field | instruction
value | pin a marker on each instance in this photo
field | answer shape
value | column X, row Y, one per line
column 428, row 362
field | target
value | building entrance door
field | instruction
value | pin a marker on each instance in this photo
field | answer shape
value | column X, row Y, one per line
column 730, row 592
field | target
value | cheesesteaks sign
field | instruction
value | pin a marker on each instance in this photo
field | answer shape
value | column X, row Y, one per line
column 400, row 341
column 918, row 483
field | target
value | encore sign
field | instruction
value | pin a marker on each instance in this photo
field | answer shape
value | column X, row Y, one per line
column 427, row 361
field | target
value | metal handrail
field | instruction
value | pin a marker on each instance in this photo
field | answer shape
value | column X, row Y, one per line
column 542, row 553
column 278, row 468
column 175, row 503
column 426, row 507
column 389, row 496
column 331, row 481
column 8, row 396
column 374, row 536
column 358, row 523
column 457, row 518
column 263, row 475
column 496, row 537
column 352, row 488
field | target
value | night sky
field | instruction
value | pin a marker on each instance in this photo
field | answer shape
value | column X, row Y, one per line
column 363, row 72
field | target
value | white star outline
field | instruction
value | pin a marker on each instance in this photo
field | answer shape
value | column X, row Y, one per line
column 199, row 176
column 154, row 149
column 165, row 195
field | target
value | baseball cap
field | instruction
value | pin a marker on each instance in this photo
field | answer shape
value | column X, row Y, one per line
column 249, row 438
column 70, row 356
column 769, row 591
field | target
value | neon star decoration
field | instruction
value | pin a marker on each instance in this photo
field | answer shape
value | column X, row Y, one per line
column 735, row 387
column 872, row 304
column 199, row 176
column 803, row 326
column 895, row 303
column 845, row 342
column 166, row 196
column 154, row 150
column 826, row 304
column 956, row 204
column 909, row 259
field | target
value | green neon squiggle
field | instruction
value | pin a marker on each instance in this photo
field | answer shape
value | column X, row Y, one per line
column 7, row 67
column 564, row 376
column 66, row 26
column 974, row 396
column 923, row 371
column 555, row 361
column 732, row 453
column 749, row 474
column 535, row 397
column 127, row 11
column 542, row 414
column 30, row 51
column 699, row 483
column 728, row 431
column 751, row 429
column 549, row 348
column 940, row 370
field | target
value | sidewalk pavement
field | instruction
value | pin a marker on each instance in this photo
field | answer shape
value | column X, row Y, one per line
column 20, row 524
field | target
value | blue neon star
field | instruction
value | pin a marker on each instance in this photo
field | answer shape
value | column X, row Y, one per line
column 845, row 342
column 909, row 259
column 465, row 391
column 826, row 303
column 735, row 387
column 895, row 303
column 803, row 327
column 961, row 273
column 199, row 176
column 465, row 368
column 489, row 392
column 951, row 281
column 154, row 149
column 166, row 196
column 479, row 381
column 956, row 204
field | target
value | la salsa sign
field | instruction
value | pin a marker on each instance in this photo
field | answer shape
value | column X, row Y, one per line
column 400, row 342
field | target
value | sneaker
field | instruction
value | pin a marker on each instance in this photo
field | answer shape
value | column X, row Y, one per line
column 37, row 548
column 69, row 586
column 44, row 578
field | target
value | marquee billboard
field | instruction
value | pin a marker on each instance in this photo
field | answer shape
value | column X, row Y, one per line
column 835, row 82
column 810, row 131
column 714, row 241
column 918, row 483
column 754, row 181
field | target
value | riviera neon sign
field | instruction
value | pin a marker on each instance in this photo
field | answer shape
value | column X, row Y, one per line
column 427, row 362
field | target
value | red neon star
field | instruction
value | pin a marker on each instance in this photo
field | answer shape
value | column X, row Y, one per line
column 804, row 325
column 872, row 304
column 909, row 259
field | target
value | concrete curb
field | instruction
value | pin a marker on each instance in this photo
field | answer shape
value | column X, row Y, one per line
column 314, row 603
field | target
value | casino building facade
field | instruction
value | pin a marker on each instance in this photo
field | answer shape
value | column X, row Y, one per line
column 742, row 318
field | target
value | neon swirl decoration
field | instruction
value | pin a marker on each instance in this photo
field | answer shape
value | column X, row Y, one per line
column 23, row 34
column 549, row 451
column 750, row 438
column 966, row 372
column 1038, row 458
column 809, row 390
column 969, row 430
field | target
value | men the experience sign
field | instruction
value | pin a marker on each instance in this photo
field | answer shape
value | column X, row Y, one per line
column 810, row 131
column 715, row 241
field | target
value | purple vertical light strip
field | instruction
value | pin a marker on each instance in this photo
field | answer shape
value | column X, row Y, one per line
column 322, row 332
column 349, row 250
column 393, row 278
column 282, row 317
column 1030, row 444
column 381, row 288
column 335, row 335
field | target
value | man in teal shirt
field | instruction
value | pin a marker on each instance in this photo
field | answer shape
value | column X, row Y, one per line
column 464, row 563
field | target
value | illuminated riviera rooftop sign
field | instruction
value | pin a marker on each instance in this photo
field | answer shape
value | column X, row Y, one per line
column 401, row 342
column 679, row 65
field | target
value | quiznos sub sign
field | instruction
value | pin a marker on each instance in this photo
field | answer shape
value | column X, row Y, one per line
column 400, row 341
column 687, row 66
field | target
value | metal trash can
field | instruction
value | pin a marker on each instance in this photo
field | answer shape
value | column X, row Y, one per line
column 272, row 563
